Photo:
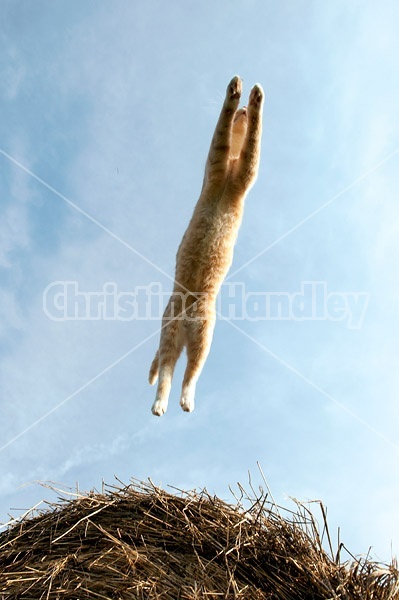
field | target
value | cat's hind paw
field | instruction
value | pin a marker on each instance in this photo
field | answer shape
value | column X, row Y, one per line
column 159, row 408
column 234, row 89
column 187, row 401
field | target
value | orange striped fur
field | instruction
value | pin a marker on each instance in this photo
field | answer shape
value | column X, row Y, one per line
column 206, row 250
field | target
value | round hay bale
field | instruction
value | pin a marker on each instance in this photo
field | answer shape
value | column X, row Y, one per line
column 142, row 542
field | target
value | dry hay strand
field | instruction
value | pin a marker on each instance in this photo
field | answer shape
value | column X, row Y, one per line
column 141, row 542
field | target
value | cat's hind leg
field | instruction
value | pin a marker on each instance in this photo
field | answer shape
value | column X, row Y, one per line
column 198, row 334
column 170, row 348
column 154, row 369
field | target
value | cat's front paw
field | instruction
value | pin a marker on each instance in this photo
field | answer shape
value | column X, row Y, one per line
column 256, row 96
column 159, row 408
column 234, row 89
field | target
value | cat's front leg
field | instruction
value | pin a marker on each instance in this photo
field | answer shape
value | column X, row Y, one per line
column 218, row 157
column 248, row 163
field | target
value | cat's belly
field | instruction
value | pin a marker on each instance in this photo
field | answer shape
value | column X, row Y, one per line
column 206, row 253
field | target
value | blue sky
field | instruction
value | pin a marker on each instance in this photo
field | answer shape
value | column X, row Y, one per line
column 107, row 114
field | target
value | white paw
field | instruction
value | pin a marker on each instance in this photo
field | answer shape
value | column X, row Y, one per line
column 159, row 408
column 187, row 401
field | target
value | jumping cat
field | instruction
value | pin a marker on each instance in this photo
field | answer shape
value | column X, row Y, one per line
column 206, row 250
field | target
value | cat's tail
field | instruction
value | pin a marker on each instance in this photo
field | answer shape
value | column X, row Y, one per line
column 153, row 374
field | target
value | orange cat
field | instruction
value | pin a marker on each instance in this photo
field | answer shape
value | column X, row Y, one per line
column 206, row 250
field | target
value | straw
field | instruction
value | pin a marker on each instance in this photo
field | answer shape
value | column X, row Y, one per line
column 142, row 542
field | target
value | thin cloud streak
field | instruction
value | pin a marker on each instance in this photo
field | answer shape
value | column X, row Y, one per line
column 80, row 389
